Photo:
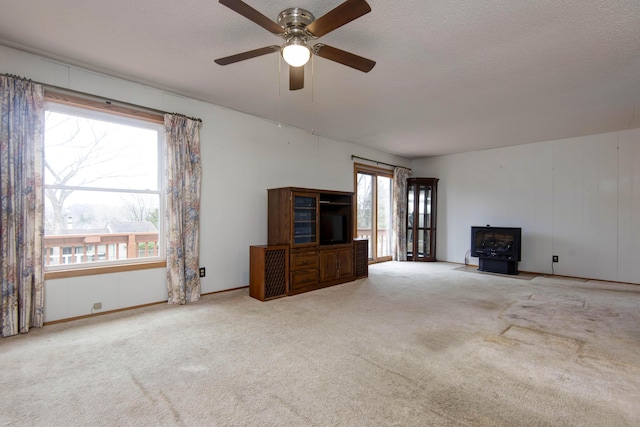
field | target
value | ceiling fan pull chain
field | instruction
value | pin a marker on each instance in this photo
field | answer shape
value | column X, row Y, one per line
column 279, row 92
column 313, row 87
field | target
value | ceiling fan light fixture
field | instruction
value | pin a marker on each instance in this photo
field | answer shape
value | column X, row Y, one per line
column 296, row 52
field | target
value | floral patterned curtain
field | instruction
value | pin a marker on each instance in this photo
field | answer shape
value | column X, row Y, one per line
column 184, row 173
column 21, row 204
column 400, row 176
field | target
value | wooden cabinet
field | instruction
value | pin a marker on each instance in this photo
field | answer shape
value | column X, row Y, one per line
column 329, row 263
column 293, row 217
column 345, row 263
column 361, row 250
column 421, row 218
column 336, row 264
column 269, row 272
column 304, row 271
column 317, row 227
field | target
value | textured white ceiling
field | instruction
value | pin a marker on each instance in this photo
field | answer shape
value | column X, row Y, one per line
column 451, row 75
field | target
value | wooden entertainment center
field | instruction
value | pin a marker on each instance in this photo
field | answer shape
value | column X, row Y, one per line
column 316, row 229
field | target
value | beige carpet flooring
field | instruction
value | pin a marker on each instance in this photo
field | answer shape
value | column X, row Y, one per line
column 415, row 344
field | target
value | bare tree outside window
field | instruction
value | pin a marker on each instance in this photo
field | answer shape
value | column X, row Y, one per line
column 78, row 149
column 364, row 199
column 140, row 207
column 102, row 187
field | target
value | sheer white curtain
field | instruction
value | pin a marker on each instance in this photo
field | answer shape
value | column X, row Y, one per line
column 21, row 207
column 184, row 171
column 400, row 176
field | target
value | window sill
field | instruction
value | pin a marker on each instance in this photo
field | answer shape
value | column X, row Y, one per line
column 90, row 271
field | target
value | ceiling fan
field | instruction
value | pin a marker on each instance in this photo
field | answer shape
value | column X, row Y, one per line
column 297, row 27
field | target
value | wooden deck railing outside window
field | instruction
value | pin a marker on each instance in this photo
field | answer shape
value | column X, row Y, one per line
column 383, row 239
column 74, row 249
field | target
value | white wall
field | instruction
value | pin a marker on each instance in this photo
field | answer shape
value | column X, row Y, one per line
column 578, row 198
column 242, row 156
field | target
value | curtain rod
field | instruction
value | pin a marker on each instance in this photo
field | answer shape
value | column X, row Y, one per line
column 108, row 101
column 378, row 163
column 13, row 76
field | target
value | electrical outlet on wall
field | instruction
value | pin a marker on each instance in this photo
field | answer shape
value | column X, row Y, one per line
column 555, row 258
column 97, row 306
column 203, row 272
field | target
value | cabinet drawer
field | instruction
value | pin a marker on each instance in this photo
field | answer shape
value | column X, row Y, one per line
column 302, row 278
column 304, row 260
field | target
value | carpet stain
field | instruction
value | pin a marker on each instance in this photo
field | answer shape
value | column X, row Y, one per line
column 560, row 300
column 567, row 310
column 147, row 394
column 607, row 361
column 501, row 340
column 287, row 404
column 556, row 342
column 174, row 411
column 491, row 305
column 452, row 420
column 441, row 340
column 387, row 370
column 142, row 388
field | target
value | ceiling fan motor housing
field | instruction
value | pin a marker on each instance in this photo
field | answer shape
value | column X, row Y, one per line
column 294, row 21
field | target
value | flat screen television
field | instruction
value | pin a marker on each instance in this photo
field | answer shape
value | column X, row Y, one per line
column 496, row 242
column 333, row 228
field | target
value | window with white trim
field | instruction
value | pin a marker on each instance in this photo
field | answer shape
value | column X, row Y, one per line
column 104, row 195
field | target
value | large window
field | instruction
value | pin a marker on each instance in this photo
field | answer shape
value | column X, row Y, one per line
column 374, row 188
column 103, row 188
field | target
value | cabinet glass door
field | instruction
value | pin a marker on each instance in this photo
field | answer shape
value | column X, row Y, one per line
column 410, row 215
column 305, row 224
column 424, row 220
column 421, row 219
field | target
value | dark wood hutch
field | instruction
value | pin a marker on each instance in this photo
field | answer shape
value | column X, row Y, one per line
column 422, row 195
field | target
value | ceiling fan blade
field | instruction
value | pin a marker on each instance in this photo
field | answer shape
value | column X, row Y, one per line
column 343, row 57
column 296, row 78
column 250, row 13
column 247, row 55
column 336, row 18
